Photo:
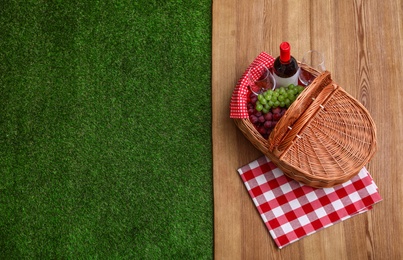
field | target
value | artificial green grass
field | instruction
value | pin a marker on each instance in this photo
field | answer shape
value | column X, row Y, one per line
column 105, row 130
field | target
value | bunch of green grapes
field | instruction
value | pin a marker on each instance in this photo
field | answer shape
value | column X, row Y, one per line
column 280, row 97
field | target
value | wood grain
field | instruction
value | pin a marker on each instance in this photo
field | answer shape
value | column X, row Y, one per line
column 362, row 43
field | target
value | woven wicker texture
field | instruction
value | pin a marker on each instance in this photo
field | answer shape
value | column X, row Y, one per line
column 324, row 139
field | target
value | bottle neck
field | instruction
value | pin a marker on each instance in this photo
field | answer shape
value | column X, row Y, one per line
column 285, row 62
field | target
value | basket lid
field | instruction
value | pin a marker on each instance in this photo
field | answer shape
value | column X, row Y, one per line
column 326, row 134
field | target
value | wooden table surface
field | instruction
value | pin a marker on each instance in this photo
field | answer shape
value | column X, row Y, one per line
column 362, row 42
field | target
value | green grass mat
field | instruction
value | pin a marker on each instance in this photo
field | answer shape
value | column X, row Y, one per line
column 105, row 130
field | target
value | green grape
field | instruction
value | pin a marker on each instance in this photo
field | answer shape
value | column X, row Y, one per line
column 260, row 97
column 267, row 96
column 290, row 95
column 280, row 97
column 258, row 104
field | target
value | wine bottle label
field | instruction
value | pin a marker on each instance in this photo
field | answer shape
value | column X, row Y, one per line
column 285, row 82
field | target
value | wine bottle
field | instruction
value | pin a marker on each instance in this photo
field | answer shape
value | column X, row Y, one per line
column 285, row 67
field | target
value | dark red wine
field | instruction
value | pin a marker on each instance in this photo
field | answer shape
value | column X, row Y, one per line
column 285, row 68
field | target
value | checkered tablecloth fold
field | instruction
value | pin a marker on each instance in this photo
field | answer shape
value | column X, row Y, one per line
column 291, row 210
column 238, row 104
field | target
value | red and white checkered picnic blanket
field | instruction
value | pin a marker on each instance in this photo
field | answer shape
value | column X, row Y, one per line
column 239, row 98
column 291, row 210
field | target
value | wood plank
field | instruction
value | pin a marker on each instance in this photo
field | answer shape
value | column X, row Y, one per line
column 362, row 44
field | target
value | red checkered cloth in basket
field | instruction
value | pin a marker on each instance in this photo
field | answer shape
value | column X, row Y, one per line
column 239, row 98
column 291, row 210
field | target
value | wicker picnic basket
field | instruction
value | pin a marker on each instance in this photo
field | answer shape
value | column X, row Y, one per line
column 325, row 137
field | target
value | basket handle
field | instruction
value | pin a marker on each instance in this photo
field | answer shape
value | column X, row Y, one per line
column 299, row 113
